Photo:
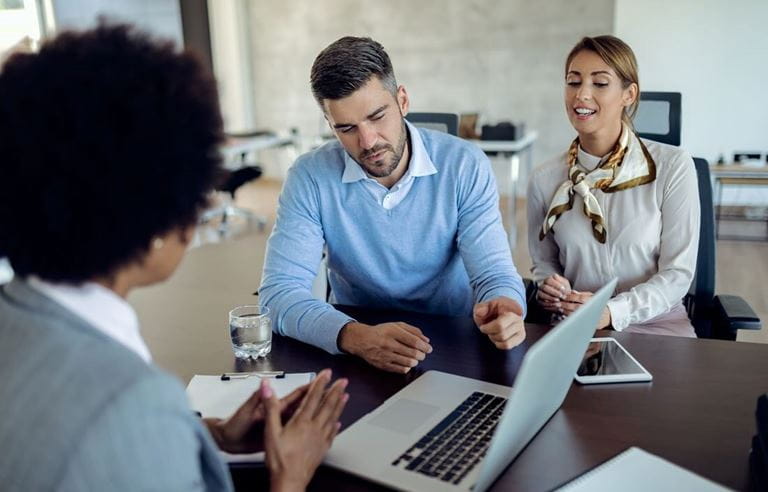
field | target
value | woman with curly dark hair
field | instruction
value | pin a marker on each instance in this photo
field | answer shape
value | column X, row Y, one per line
column 108, row 149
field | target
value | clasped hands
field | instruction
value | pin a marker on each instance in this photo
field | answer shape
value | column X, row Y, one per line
column 295, row 432
column 399, row 347
column 556, row 295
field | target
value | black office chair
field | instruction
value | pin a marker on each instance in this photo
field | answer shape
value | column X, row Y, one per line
column 713, row 316
column 444, row 122
column 230, row 180
column 658, row 117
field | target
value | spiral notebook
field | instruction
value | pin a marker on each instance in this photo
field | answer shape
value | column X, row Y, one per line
column 636, row 470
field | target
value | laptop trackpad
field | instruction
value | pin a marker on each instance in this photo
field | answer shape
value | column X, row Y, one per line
column 404, row 415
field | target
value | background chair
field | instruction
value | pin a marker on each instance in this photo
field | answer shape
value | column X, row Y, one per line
column 235, row 175
column 444, row 122
column 712, row 316
column 658, row 117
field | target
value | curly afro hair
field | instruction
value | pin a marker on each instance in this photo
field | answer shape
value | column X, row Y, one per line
column 107, row 138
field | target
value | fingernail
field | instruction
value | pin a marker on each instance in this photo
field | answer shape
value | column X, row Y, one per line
column 344, row 382
column 345, row 397
column 266, row 389
column 338, row 425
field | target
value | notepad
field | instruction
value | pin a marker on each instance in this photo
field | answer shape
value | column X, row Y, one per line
column 215, row 398
column 636, row 470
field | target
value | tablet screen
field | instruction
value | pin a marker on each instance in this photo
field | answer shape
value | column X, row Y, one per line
column 607, row 358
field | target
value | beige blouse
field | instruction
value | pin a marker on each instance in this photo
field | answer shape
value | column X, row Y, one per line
column 652, row 242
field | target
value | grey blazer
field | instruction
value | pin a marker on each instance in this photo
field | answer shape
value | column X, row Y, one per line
column 79, row 411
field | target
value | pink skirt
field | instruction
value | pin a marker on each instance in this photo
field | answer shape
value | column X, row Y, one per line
column 674, row 322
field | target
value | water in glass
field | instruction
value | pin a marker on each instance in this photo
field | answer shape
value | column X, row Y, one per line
column 250, row 331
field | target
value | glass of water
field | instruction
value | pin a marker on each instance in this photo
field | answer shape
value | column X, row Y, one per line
column 250, row 329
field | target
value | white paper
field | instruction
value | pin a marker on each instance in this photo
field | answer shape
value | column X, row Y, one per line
column 243, row 458
column 638, row 470
column 215, row 398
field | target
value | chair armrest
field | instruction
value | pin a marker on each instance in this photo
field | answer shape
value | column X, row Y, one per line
column 733, row 313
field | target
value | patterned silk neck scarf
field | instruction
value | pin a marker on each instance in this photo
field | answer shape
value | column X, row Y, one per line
column 628, row 165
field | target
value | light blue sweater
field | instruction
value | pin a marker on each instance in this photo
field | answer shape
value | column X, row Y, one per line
column 441, row 250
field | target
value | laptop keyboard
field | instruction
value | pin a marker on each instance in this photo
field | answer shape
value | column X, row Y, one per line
column 454, row 446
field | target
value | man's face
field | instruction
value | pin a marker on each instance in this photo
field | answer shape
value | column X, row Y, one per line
column 369, row 124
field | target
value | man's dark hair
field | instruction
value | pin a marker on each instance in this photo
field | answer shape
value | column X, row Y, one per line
column 107, row 139
column 348, row 64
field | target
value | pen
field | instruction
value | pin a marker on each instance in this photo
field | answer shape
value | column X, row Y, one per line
column 262, row 374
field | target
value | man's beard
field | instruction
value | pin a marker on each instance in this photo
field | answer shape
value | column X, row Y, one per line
column 383, row 168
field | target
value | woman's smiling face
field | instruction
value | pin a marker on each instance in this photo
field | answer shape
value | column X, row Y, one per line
column 595, row 96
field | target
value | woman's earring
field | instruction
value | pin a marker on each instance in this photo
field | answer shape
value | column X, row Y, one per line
column 158, row 243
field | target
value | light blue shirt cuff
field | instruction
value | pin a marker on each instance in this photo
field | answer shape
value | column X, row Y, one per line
column 331, row 322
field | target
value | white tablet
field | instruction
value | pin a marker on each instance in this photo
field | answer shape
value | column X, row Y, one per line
column 606, row 361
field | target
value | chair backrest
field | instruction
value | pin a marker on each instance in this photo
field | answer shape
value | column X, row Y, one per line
column 703, row 288
column 444, row 122
column 705, row 265
column 658, row 117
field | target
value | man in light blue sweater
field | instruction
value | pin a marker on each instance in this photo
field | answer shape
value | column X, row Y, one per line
column 409, row 219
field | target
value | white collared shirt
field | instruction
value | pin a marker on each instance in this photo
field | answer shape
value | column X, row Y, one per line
column 652, row 236
column 589, row 161
column 419, row 165
column 101, row 308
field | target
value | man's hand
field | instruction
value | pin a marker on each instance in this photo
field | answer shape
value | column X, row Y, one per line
column 295, row 450
column 575, row 299
column 243, row 432
column 394, row 347
column 552, row 291
column 501, row 319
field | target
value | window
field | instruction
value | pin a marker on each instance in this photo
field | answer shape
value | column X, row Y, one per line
column 19, row 26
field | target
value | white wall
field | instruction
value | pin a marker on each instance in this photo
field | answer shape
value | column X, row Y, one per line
column 501, row 58
column 715, row 52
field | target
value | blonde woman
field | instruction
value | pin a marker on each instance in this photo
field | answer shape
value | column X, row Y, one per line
column 614, row 205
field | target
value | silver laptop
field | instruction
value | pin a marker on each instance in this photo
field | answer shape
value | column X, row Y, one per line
column 448, row 432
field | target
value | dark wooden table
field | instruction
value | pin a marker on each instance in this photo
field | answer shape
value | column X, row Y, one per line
column 698, row 412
